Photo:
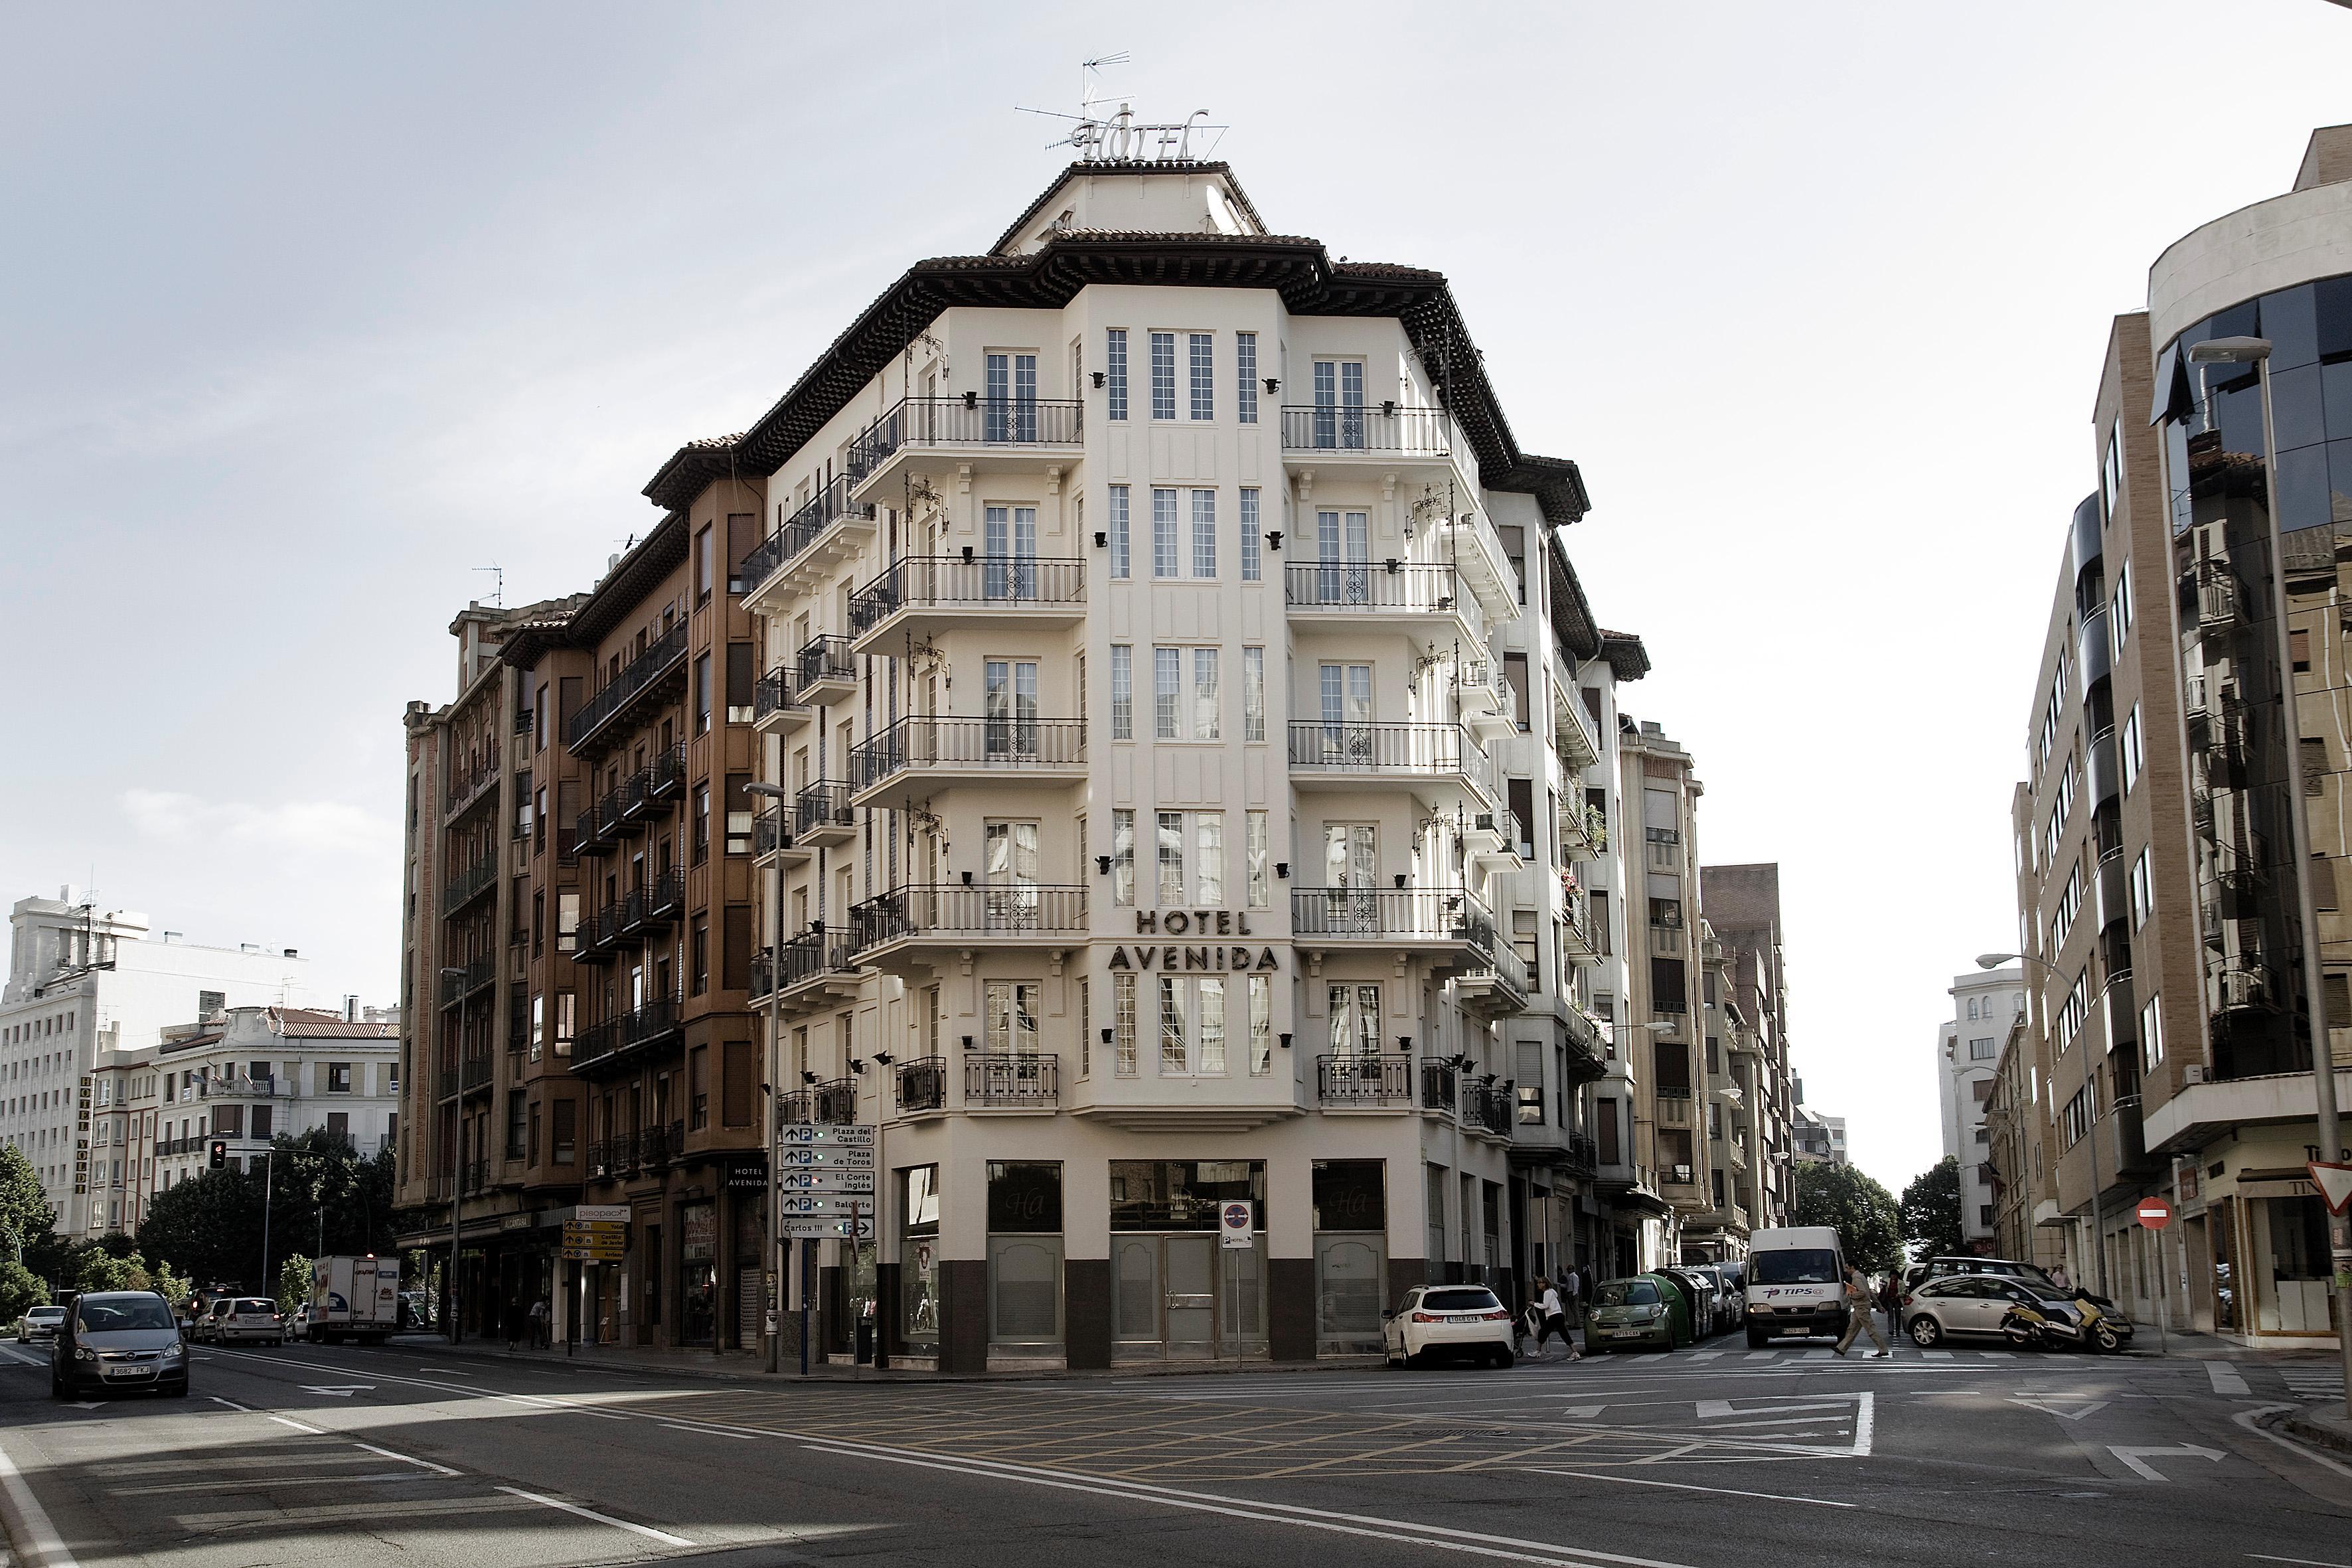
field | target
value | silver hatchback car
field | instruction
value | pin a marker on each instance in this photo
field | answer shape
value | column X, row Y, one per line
column 117, row 1340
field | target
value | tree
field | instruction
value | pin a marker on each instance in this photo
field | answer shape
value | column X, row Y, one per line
column 1865, row 1214
column 319, row 1193
column 25, row 1217
column 293, row 1282
column 101, row 1270
column 209, row 1227
column 1931, row 1211
column 20, row 1288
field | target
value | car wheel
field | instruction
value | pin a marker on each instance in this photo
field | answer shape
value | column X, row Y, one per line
column 1504, row 1357
column 1925, row 1332
column 1756, row 1338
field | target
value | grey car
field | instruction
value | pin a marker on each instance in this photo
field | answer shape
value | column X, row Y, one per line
column 1978, row 1306
column 112, row 1340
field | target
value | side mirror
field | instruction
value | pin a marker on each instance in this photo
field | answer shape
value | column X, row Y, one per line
column 1388, row 1313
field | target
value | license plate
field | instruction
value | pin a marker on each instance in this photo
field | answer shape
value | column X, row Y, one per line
column 129, row 1371
column 1626, row 1333
column 1463, row 1318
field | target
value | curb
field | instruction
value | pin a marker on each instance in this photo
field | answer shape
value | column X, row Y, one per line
column 2298, row 1425
column 868, row 1376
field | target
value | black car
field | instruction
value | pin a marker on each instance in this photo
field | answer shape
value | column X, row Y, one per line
column 112, row 1340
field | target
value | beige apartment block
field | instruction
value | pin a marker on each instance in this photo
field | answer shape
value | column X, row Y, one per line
column 2170, row 1039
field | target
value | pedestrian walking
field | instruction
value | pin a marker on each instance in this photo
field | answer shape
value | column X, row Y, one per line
column 1573, row 1298
column 539, row 1314
column 1858, row 1315
column 514, row 1316
column 1554, row 1315
column 1890, row 1297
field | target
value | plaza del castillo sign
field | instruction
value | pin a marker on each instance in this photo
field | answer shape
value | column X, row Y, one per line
column 1210, row 958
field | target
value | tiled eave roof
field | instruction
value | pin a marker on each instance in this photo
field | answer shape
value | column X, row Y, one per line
column 625, row 587
column 1300, row 270
column 1625, row 654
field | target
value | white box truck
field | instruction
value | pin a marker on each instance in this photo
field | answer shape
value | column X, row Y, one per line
column 354, row 1299
column 1796, row 1283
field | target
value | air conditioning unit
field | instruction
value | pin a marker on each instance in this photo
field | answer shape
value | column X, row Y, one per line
column 2190, row 1075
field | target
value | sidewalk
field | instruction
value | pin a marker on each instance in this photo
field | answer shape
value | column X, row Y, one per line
column 746, row 1365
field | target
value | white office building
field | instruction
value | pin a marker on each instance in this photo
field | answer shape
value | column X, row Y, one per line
column 1967, row 1051
column 84, row 979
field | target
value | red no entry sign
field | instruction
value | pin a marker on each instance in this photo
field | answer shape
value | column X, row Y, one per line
column 2154, row 1213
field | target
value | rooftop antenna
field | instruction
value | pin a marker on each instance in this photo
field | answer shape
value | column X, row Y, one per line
column 1088, row 71
column 498, row 583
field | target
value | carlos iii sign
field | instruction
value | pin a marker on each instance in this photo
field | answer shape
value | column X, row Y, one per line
column 1213, row 958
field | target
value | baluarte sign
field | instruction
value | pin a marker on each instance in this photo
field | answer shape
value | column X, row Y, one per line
column 1202, row 958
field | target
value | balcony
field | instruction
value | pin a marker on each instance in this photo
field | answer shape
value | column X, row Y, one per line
column 914, row 758
column 1497, row 988
column 632, row 798
column 823, row 671
column 1315, row 434
column 590, row 832
column 1578, row 941
column 1368, row 756
column 468, row 787
column 2219, row 597
column 1451, row 920
column 1439, row 1086
column 1574, row 734
column 1370, row 595
column 646, row 1028
column 474, row 1075
column 1006, row 435
column 817, row 964
column 1582, row 1156
column 924, row 596
column 1489, row 1108
column 655, row 676
column 973, row 915
column 823, row 816
column 667, row 774
column 772, row 706
column 771, row 834
column 1493, row 842
column 1490, row 705
column 655, row 906
column 828, row 528
column 470, row 883
column 598, row 936
column 445, row 1088
column 922, row 1085
column 1012, row 1080
column 1349, row 1082
column 456, row 984
column 832, row 1103
column 1583, row 832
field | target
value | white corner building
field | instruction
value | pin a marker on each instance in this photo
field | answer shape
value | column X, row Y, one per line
column 1968, row 1052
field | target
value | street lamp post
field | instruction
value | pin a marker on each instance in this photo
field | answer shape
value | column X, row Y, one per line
column 778, row 1263
column 2256, row 351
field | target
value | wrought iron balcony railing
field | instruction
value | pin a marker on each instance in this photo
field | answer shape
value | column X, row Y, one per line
column 664, row 655
column 984, row 581
column 1346, row 1080
column 1012, row 1078
column 980, row 912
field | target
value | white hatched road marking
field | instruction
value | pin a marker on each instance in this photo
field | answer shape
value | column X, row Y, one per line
column 46, row 1550
column 2225, row 1378
column 1687, row 1487
column 645, row 1529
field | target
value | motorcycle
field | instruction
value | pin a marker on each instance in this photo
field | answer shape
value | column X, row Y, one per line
column 2027, row 1328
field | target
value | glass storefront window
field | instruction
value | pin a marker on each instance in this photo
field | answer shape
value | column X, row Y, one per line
column 1182, row 1194
column 1350, row 1195
column 918, row 1250
column 1024, row 1252
column 697, row 1274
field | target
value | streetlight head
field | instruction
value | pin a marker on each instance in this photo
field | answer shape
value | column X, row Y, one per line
column 1994, row 960
column 2230, row 351
column 773, row 792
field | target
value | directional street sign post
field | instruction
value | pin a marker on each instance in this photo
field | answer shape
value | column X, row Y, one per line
column 825, row 1179
column 596, row 1232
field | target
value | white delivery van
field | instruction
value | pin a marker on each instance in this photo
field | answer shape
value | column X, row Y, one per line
column 350, row 1299
column 1796, row 1283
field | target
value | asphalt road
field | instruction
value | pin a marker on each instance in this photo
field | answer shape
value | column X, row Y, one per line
column 1706, row 1458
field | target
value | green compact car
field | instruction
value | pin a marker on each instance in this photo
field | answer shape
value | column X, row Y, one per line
column 1644, row 1313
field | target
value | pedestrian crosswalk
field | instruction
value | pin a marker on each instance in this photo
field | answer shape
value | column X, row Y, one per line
column 2316, row 1383
column 1794, row 1355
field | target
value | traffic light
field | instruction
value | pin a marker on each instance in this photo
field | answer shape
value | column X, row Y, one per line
column 219, row 1153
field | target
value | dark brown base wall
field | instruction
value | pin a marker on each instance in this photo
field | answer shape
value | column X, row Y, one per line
column 1290, row 1308
column 1086, row 1312
column 963, row 1314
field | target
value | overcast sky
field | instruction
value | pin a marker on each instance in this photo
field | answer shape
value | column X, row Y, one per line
column 306, row 312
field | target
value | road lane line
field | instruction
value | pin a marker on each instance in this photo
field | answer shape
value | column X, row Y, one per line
column 646, row 1531
column 40, row 1537
column 2225, row 1378
column 21, row 1358
column 536, row 1401
column 298, row 1426
column 1538, row 1552
column 2305, row 1562
column 403, row 1459
column 1687, row 1487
